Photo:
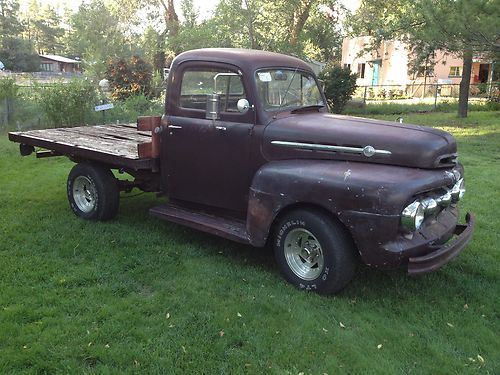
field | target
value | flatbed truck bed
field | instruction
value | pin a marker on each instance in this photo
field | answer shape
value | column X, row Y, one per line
column 116, row 145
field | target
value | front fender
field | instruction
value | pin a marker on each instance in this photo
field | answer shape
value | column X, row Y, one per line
column 341, row 187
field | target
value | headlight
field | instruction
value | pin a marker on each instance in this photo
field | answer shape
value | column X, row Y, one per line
column 413, row 216
column 430, row 206
column 458, row 190
column 445, row 199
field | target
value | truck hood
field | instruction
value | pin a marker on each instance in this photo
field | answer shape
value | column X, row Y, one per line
column 327, row 136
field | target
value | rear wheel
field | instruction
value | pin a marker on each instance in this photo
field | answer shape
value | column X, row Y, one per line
column 314, row 252
column 93, row 192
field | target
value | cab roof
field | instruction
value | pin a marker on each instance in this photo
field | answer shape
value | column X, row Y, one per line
column 245, row 59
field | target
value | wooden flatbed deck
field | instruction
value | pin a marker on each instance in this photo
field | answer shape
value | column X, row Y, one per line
column 116, row 145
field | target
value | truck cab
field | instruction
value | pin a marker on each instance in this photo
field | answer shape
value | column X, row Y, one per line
column 247, row 150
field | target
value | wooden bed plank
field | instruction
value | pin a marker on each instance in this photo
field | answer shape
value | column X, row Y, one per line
column 116, row 140
column 104, row 133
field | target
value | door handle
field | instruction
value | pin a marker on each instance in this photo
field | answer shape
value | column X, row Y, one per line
column 170, row 126
column 221, row 128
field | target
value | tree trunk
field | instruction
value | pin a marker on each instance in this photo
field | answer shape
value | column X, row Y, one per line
column 463, row 96
column 300, row 18
column 251, row 34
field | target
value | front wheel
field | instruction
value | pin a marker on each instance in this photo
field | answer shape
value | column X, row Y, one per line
column 93, row 192
column 314, row 252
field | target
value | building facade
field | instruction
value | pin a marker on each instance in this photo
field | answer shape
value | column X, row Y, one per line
column 388, row 65
column 58, row 64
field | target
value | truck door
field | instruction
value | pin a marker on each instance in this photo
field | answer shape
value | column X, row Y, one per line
column 205, row 161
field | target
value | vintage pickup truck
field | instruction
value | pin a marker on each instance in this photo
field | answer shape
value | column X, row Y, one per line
column 247, row 150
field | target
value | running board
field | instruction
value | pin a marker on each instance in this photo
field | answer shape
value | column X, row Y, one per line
column 231, row 229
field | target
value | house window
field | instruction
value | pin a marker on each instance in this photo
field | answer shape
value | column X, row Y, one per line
column 454, row 71
column 46, row 67
column 361, row 70
column 348, row 66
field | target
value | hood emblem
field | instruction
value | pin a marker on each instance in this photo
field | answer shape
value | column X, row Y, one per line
column 367, row 151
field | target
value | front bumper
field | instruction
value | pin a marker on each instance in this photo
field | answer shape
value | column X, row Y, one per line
column 381, row 245
column 442, row 254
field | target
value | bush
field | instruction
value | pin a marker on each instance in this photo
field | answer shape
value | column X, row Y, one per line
column 8, row 93
column 69, row 103
column 340, row 84
column 129, row 109
column 129, row 78
column 8, row 88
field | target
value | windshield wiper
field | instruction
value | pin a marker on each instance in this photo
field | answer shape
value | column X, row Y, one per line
column 307, row 107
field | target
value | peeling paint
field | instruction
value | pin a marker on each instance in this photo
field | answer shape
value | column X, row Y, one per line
column 347, row 174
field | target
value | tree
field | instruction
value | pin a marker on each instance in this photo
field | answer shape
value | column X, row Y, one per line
column 15, row 52
column 44, row 28
column 462, row 27
column 160, row 13
column 96, row 35
column 18, row 54
column 10, row 25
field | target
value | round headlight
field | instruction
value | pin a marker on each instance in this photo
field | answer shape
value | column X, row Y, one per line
column 413, row 215
column 444, row 200
column 462, row 188
column 430, row 206
column 456, row 190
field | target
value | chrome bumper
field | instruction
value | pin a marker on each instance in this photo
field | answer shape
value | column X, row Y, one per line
column 442, row 254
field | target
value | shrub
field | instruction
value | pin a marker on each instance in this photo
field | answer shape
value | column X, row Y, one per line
column 8, row 88
column 128, row 78
column 68, row 103
column 129, row 109
column 8, row 93
column 340, row 84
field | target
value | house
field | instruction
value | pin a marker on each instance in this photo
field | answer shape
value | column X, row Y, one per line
column 58, row 64
column 388, row 65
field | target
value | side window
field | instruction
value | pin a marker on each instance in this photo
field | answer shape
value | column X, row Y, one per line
column 197, row 84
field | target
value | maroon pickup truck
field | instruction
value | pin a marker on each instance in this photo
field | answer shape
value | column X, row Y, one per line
column 247, row 150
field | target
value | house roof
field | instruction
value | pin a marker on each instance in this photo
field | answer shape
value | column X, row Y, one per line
column 60, row 59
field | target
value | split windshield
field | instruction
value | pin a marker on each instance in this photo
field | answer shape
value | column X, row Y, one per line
column 287, row 89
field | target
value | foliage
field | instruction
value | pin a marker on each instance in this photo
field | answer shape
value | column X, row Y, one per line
column 97, row 36
column 44, row 28
column 340, row 84
column 9, row 23
column 68, row 104
column 398, row 108
column 127, row 78
column 18, row 55
column 154, row 45
column 8, row 88
column 127, row 111
column 464, row 27
column 138, row 295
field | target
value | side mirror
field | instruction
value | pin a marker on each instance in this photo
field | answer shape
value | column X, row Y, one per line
column 243, row 105
column 213, row 110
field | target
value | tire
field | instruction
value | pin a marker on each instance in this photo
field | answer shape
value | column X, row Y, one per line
column 93, row 192
column 314, row 252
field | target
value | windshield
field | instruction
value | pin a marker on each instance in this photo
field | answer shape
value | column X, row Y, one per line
column 287, row 88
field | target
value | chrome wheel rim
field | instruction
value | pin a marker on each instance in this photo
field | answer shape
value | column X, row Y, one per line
column 303, row 254
column 84, row 194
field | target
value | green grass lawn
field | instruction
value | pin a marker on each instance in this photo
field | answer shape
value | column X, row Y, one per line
column 140, row 295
